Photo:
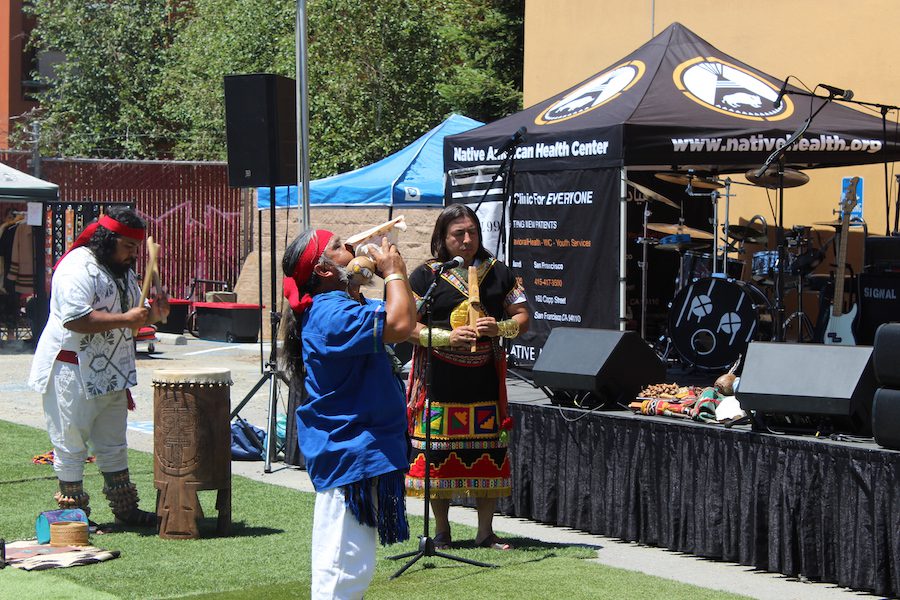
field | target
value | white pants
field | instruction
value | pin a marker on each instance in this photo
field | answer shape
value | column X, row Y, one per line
column 75, row 422
column 343, row 550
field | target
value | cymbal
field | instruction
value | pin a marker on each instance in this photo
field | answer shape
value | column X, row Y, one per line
column 829, row 223
column 770, row 179
column 648, row 193
column 675, row 229
column 745, row 233
column 689, row 179
column 682, row 247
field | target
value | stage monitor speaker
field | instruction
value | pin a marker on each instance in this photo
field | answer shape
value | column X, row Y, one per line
column 261, row 130
column 611, row 364
column 886, row 418
column 832, row 383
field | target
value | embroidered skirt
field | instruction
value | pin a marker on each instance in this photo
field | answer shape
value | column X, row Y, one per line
column 468, row 457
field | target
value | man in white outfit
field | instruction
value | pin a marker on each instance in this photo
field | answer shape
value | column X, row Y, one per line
column 84, row 364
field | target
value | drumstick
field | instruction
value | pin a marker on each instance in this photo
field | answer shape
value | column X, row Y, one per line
column 157, row 283
column 153, row 252
column 474, row 302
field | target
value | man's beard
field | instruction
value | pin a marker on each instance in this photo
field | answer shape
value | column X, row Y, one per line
column 119, row 270
column 343, row 274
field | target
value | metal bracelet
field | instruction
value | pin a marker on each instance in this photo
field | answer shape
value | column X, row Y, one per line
column 439, row 337
column 508, row 328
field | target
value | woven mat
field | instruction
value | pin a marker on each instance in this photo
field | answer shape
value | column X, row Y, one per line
column 31, row 556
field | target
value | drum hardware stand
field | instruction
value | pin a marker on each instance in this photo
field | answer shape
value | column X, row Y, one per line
column 426, row 542
column 645, row 241
column 271, row 373
column 714, row 198
column 803, row 321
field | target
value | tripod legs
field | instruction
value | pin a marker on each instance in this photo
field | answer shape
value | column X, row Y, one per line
column 426, row 548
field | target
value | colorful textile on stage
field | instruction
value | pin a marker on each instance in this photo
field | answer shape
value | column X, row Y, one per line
column 468, row 394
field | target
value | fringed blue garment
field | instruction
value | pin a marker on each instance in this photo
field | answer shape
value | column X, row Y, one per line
column 389, row 515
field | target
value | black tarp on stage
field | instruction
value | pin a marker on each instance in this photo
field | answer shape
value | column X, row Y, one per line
column 795, row 505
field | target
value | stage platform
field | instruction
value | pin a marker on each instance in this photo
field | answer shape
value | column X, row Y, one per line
column 824, row 509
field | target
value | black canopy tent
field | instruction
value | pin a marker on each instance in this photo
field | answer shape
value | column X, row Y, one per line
column 675, row 103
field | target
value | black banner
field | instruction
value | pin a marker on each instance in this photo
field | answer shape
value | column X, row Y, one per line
column 565, row 248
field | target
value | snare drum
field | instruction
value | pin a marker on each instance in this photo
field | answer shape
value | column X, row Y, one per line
column 713, row 320
column 765, row 266
column 191, row 447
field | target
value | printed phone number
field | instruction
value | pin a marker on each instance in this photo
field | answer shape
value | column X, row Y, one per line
column 548, row 282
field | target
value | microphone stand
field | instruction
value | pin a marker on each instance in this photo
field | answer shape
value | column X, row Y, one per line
column 778, row 154
column 426, row 542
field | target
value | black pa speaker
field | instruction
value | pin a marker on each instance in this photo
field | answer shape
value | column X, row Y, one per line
column 830, row 383
column 612, row 365
column 886, row 418
column 886, row 354
column 261, row 130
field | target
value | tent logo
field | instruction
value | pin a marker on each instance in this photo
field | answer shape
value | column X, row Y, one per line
column 596, row 92
column 730, row 89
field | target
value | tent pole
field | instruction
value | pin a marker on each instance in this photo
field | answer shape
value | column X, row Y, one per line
column 302, row 116
column 623, row 240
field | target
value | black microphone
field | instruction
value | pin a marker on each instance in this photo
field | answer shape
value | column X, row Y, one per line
column 781, row 93
column 456, row 261
column 514, row 141
column 836, row 91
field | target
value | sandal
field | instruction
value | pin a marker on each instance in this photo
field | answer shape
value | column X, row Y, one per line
column 442, row 540
column 493, row 542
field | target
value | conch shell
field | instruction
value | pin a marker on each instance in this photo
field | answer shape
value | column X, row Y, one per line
column 362, row 268
column 361, row 242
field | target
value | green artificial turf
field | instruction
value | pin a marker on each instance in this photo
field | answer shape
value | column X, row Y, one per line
column 267, row 555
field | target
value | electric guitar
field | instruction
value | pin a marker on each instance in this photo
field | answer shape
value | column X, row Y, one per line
column 839, row 329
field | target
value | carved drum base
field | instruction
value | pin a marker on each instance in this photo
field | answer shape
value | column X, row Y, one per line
column 191, row 448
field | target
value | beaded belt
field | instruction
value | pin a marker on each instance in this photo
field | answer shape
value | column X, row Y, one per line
column 479, row 358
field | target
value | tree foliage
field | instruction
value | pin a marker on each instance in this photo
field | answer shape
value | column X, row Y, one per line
column 143, row 78
column 103, row 101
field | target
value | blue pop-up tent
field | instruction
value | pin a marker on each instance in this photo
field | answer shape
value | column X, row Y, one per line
column 413, row 176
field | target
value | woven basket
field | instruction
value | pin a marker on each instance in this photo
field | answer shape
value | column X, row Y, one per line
column 69, row 533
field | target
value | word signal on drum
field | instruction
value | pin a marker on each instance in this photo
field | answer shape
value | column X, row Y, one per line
column 839, row 329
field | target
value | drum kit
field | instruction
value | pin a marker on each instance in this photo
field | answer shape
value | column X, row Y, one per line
column 714, row 313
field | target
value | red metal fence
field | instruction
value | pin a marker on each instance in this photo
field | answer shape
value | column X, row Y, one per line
column 189, row 208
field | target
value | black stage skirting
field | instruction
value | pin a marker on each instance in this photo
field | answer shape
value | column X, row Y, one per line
column 827, row 510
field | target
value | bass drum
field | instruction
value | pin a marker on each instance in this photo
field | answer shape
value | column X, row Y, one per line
column 713, row 320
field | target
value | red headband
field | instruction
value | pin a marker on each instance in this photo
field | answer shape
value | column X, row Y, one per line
column 303, row 270
column 109, row 223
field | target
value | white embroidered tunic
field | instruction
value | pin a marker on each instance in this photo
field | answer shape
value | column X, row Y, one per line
column 106, row 360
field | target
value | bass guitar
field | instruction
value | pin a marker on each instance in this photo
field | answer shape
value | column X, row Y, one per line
column 840, row 323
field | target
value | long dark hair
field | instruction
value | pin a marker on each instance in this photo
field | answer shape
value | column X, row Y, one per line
column 439, row 235
column 103, row 242
column 290, row 357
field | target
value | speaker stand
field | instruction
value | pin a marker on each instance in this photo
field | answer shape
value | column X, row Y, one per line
column 271, row 374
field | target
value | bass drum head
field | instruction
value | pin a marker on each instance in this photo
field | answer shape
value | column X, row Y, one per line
column 713, row 320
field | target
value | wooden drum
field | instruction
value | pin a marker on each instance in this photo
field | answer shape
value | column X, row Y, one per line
column 191, row 448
